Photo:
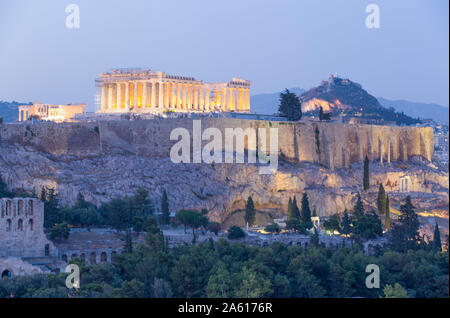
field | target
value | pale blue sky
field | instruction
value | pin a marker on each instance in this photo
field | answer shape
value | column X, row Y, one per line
column 275, row 44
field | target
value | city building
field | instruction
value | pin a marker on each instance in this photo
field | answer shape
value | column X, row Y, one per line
column 50, row 112
column 144, row 90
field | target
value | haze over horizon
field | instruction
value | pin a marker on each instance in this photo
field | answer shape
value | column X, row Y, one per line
column 274, row 44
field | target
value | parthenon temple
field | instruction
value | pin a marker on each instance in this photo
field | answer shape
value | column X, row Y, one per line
column 144, row 90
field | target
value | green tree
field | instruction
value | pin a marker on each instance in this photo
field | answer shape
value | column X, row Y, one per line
column 165, row 208
column 81, row 203
column 387, row 219
column 250, row 213
column 295, row 209
column 333, row 223
column 405, row 233
column 381, row 200
column 142, row 206
column 235, row 232
column 272, row 228
column 290, row 210
column 60, row 232
column 359, row 206
column 366, row 178
column 296, row 225
column 220, row 283
column 128, row 247
column 119, row 214
column 437, row 244
column 305, row 217
column 395, row 292
column 193, row 219
column 315, row 238
column 253, row 285
column 346, row 227
column 290, row 106
column 367, row 226
column 52, row 212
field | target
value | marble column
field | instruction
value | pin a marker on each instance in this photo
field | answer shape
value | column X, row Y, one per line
column 178, row 96
column 110, row 96
column 119, row 95
column 135, row 96
column 233, row 100
column 189, row 96
column 144, row 95
column 201, row 100
column 224, row 100
column 247, row 108
column 103, row 101
column 127, row 96
column 195, row 97
column 207, row 95
column 172, row 95
column 160, row 95
column 166, row 95
column 241, row 99
column 183, row 96
column 153, row 100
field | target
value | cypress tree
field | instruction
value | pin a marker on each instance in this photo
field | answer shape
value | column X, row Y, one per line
column 295, row 209
column 165, row 208
column 289, row 210
column 359, row 206
column 128, row 242
column 387, row 220
column 437, row 245
column 315, row 238
column 405, row 233
column 306, row 212
column 290, row 106
column 346, row 228
column 250, row 214
column 366, row 179
column 381, row 200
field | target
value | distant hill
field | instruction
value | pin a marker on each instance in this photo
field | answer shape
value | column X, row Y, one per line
column 346, row 98
column 422, row 110
column 9, row 110
column 339, row 96
column 268, row 103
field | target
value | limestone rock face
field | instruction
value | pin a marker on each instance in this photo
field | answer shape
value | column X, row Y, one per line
column 104, row 160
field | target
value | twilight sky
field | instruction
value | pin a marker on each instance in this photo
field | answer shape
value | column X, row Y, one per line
column 273, row 43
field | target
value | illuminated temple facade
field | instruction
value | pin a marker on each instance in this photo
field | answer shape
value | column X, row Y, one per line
column 144, row 90
column 50, row 112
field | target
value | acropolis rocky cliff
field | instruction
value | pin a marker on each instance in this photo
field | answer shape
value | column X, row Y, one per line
column 107, row 159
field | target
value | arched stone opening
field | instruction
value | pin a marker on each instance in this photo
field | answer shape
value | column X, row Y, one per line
column 64, row 258
column 8, row 225
column 8, row 208
column 93, row 258
column 6, row 273
column 103, row 257
column 31, row 207
column 20, row 225
column 31, row 224
column 20, row 206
